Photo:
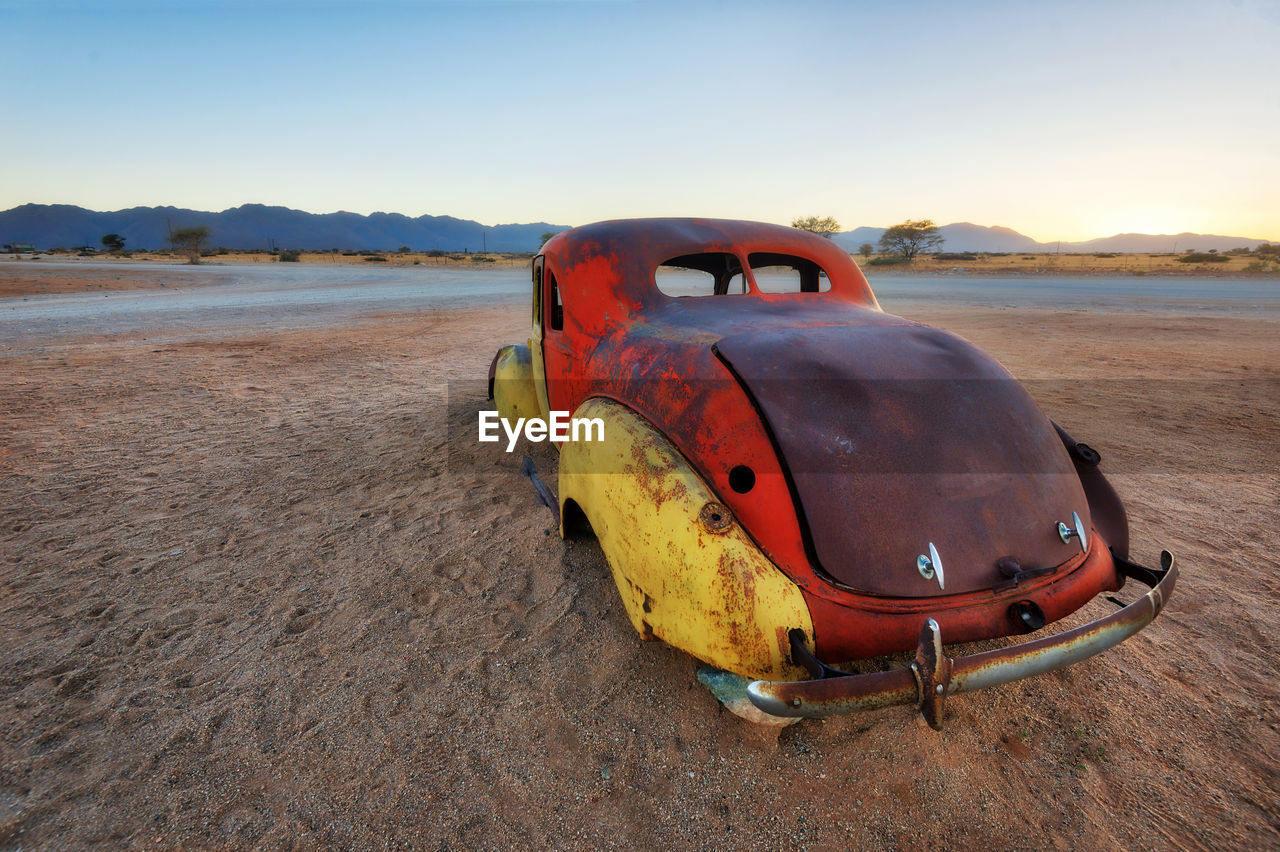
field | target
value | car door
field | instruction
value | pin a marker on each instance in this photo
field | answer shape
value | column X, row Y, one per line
column 557, row 345
column 535, row 338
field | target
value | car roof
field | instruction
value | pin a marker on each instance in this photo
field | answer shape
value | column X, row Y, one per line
column 663, row 238
column 622, row 254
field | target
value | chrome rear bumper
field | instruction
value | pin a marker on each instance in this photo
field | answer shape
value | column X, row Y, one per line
column 934, row 676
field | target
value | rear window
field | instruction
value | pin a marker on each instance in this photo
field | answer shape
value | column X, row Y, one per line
column 720, row 274
column 706, row 274
column 784, row 273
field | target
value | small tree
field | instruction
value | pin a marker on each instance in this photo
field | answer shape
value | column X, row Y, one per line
column 190, row 241
column 911, row 238
column 825, row 227
column 866, row 249
column 546, row 237
column 113, row 242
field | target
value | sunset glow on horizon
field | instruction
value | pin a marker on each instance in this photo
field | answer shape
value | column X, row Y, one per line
column 1063, row 122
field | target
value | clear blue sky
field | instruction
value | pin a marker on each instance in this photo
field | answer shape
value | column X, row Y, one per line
column 1061, row 120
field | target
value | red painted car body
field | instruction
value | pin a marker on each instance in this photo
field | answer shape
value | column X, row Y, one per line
column 896, row 474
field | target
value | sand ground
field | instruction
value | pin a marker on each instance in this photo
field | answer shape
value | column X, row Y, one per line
column 252, row 594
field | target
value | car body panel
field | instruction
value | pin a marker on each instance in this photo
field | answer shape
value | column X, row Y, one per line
column 687, row 572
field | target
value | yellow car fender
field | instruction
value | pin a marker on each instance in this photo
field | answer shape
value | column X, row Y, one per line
column 687, row 571
column 514, row 393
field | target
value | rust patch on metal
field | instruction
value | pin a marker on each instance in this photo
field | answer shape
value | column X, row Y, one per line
column 715, row 518
column 932, row 670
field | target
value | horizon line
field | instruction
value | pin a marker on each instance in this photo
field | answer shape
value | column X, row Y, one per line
column 1041, row 242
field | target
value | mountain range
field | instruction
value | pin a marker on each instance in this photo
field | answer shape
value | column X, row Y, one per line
column 257, row 226
column 964, row 236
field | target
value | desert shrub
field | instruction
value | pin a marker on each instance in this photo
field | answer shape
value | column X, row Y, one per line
column 1028, row 257
column 956, row 255
column 1103, row 254
column 1203, row 257
column 290, row 256
column 1258, row 266
column 1267, row 248
column 377, row 258
column 350, row 254
column 888, row 260
column 435, row 253
column 476, row 258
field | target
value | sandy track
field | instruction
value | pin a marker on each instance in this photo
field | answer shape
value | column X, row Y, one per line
column 19, row 279
column 252, row 594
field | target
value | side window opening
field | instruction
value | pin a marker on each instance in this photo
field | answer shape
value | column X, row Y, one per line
column 707, row 274
column 537, row 291
column 784, row 273
column 553, row 300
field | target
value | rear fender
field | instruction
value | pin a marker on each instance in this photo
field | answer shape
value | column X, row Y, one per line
column 686, row 570
column 512, row 384
column 1105, row 508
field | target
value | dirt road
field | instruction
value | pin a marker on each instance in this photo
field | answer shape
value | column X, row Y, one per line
column 252, row 595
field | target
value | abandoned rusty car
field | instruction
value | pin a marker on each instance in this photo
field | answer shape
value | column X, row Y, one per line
column 790, row 479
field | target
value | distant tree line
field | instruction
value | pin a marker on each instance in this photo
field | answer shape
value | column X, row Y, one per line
column 822, row 226
column 190, row 241
column 902, row 241
column 910, row 238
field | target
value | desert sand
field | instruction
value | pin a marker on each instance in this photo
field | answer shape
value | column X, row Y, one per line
column 263, row 590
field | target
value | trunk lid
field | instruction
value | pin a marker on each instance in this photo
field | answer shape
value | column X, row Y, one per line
column 897, row 436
